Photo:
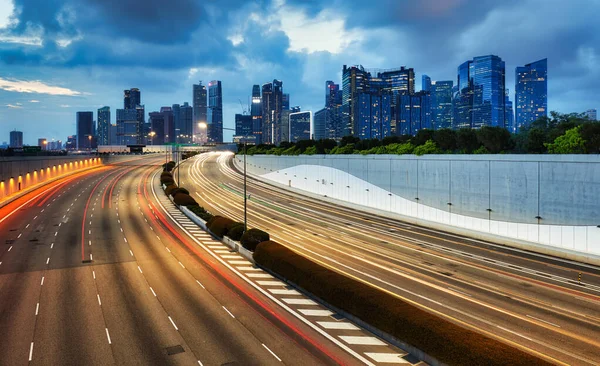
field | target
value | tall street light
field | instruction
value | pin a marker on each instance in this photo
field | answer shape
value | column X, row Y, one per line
column 152, row 134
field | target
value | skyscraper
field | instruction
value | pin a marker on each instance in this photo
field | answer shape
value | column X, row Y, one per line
column 300, row 126
column 186, row 123
column 16, row 139
column 272, row 105
column 510, row 120
column 425, row 83
column 414, row 113
column 374, row 115
column 43, row 143
column 85, row 130
column 104, row 126
column 128, row 127
column 132, row 98
column 243, row 125
column 157, row 128
column 169, row 119
column 441, row 104
column 256, row 113
column 400, row 80
column 285, row 101
column 215, row 112
column 132, row 101
column 332, row 128
column 199, row 103
column 531, row 92
column 319, row 124
column 354, row 81
column 480, row 100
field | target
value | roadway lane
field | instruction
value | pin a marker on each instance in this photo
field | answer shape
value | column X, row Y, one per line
column 505, row 293
column 91, row 275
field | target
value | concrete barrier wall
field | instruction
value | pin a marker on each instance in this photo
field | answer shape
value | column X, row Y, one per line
column 545, row 199
column 18, row 174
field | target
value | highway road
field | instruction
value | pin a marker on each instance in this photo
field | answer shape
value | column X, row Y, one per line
column 91, row 273
column 531, row 301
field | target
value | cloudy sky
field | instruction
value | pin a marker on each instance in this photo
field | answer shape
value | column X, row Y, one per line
column 62, row 56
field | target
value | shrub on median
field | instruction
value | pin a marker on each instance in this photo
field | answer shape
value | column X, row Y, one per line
column 183, row 199
column 179, row 190
column 252, row 238
column 219, row 226
column 437, row 337
column 170, row 188
column 235, row 230
column 200, row 212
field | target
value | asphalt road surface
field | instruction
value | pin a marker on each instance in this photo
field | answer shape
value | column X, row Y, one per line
column 531, row 301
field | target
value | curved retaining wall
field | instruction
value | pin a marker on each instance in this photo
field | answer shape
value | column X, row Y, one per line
column 549, row 200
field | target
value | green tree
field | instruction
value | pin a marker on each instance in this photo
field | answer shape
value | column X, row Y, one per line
column 569, row 143
column 429, row 147
column 590, row 132
column 466, row 140
column 348, row 140
column 536, row 138
column 312, row 150
column 445, row 139
column 495, row 139
column 422, row 137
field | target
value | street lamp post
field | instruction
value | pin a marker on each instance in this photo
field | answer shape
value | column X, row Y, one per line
column 245, row 185
column 152, row 134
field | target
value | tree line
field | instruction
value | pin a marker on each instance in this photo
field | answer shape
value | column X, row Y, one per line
column 557, row 134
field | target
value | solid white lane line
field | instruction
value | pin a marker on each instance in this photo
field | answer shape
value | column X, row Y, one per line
column 271, row 352
column 153, row 293
column 515, row 333
column 37, row 308
column 201, row 285
column 181, row 264
column 99, row 302
column 31, row 352
column 130, row 252
column 172, row 322
column 229, row 312
column 140, row 269
column 543, row 321
column 460, row 292
column 108, row 336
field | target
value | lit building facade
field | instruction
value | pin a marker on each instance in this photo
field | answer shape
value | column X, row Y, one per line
column 531, row 92
column 414, row 113
column 104, row 126
column 441, row 104
column 272, row 106
column 243, row 125
column 215, row 112
column 199, row 103
column 16, row 139
column 85, row 130
column 300, row 126
column 256, row 113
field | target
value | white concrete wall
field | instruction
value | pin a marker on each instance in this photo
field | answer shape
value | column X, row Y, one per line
column 458, row 190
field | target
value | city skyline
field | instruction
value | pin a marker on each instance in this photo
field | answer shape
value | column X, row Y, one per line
column 253, row 53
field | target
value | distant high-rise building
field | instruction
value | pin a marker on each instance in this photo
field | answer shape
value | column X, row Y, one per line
column 480, row 100
column 425, row 83
column 414, row 113
column 319, row 124
column 71, row 143
column 441, row 104
column 85, row 130
column 104, row 126
column 200, row 111
column 354, row 81
column 114, row 139
column 129, row 130
column 374, row 115
column 284, row 129
column 300, row 126
column 186, row 124
column 531, row 92
column 272, row 105
column 43, row 143
column 333, row 125
column 176, row 124
column 215, row 112
column 157, row 128
column 591, row 114
column 169, row 119
column 256, row 113
column 243, row 125
column 400, row 81
column 132, row 98
column 509, row 113
column 285, row 100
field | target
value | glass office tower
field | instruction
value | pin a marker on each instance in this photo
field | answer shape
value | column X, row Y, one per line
column 531, row 92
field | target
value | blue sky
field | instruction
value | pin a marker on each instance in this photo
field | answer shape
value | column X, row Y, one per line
column 58, row 57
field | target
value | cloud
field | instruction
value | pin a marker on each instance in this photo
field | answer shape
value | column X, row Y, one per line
column 7, row 8
column 65, row 106
column 34, row 101
column 17, row 106
column 21, row 86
